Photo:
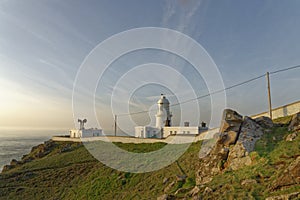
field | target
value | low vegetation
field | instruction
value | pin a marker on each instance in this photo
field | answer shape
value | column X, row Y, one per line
column 69, row 171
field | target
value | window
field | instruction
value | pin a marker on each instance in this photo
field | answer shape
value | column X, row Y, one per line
column 188, row 131
column 171, row 132
column 175, row 132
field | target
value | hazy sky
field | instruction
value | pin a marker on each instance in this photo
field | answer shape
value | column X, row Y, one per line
column 43, row 43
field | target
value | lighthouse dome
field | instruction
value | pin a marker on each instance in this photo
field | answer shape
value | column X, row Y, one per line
column 163, row 100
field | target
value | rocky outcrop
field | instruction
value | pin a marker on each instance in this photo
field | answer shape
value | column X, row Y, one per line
column 41, row 151
column 295, row 123
column 236, row 139
column 238, row 155
column 264, row 122
column 37, row 152
column 230, row 127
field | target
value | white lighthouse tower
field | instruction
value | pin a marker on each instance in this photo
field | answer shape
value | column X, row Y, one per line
column 163, row 116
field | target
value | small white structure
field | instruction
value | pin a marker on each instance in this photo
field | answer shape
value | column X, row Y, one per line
column 83, row 133
column 147, row 132
column 92, row 132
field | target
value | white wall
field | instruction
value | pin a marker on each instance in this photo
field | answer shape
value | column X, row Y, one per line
column 282, row 111
column 174, row 130
column 85, row 133
column 147, row 132
column 74, row 133
column 91, row 132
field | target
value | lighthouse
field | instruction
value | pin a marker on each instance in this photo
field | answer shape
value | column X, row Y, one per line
column 163, row 127
column 163, row 116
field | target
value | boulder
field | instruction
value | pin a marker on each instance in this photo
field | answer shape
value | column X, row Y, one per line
column 230, row 127
column 238, row 156
column 249, row 134
column 264, row 122
column 295, row 123
column 231, row 121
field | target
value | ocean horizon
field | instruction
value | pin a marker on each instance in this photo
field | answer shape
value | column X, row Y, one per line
column 14, row 143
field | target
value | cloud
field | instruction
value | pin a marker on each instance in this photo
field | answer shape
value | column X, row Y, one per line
column 181, row 15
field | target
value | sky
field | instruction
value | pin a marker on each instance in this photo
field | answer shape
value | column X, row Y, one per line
column 44, row 43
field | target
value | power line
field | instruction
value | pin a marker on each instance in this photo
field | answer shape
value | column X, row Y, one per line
column 286, row 69
column 200, row 97
column 218, row 91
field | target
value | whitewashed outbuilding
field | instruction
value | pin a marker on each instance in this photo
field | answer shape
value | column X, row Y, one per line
column 84, row 133
column 92, row 132
column 147, row 132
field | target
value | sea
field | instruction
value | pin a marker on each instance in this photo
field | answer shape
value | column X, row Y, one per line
column 16, row 143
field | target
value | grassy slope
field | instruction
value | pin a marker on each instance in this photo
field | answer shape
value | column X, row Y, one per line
column 271, row 158
column 77, row 175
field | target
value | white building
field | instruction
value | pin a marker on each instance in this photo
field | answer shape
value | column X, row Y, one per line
column 83, row 133
column 147, row 132
column 91, row 132
column 183, row 130
column 163, row 126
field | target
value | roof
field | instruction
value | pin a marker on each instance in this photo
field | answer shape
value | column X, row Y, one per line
column 163, row 100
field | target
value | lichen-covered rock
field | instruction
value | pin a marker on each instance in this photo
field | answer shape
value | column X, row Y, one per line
column 238, row 157
column 231, row 121
column 212, row 164
column 264, row 122
column 236, row 140
column 249, row 134
column 295, row 123
column 229, row 138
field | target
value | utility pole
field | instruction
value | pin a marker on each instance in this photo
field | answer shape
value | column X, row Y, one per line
column 115, row 125
column 269, row 94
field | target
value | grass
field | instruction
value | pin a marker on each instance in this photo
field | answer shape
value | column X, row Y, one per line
column 271, row 151
column 76, row 174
